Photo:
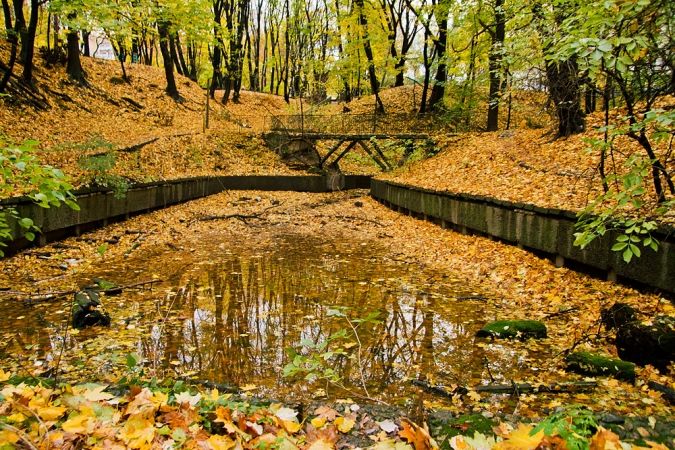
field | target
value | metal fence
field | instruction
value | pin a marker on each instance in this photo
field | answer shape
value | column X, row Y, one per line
column 355, row 124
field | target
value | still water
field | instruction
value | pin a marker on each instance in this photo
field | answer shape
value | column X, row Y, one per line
column 228, row 313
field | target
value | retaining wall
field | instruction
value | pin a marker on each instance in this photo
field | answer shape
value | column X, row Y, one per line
column 541, row 229
column 98, row 206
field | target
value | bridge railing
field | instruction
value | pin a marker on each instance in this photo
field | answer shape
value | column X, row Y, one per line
column 354, row 124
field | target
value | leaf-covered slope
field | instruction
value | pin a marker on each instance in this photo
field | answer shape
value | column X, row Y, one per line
column 112, row 113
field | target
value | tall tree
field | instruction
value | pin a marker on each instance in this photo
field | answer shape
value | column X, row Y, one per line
column 497, row 32
column 563, row 77
column 163, row 26
column 368, row 50
column 28, row 50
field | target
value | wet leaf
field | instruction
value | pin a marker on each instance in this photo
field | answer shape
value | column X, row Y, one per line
column 345, row 424
column 388, row 426
column 520, row 439
column 50, row 413
column 318, row 422
column 218, row 442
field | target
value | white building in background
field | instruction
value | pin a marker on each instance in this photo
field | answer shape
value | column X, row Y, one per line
column 100, row 46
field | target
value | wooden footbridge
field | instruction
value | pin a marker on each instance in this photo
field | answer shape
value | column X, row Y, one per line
column 300, row 133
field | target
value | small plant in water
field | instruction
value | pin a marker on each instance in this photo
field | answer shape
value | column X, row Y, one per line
column 317, row 361
column 575, row 424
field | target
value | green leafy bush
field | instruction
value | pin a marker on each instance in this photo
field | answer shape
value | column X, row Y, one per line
column 22, row 173
column 100, row 166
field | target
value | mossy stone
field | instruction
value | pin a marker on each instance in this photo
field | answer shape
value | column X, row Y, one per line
column 513, row 329
column 587, row 363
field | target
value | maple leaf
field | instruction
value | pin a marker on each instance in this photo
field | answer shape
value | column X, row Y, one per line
column 388, row 426
column 93, row 392
column 79, row 424
column 285, row 413
column 605, row 439
column 185, row 397
column 142, row 403
column 391, row 444
column 8, row 438
column 292, row 426
column 218, row 442
column 345, row 424
column 520, row 439
column 137, row 432
column 4, row 376
column 416, row 435
column 50, row 413
column 326, row 412
column 320, row 444
column 318, row 422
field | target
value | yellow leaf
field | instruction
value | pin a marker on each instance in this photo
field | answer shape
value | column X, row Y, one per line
column 79, row 424
column 218, row 442
column 291, row 426
column 520, row 439
column 4, row 376
column 318, row 422
column 248, row 387
column 159, row 398
column 8, row 437
column 138, row 432
column 344, row 424
column 605, row 440
column 51, row 412
column 321, row 445
column 93, row 393
column 16, row 418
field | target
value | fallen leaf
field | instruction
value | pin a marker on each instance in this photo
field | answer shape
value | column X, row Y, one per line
column 520, row 439
column 50, row 413
column 318, row 422
column 326, row 412
column 218, row 442
column 344, row 424
column 605, row 439
column 388, row 426
column 321, row 445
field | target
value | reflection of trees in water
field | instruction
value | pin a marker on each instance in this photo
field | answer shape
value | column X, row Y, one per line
column 232, row 321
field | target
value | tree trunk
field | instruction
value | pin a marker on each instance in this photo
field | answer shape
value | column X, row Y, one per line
column 181, row 59
column 163, row 30
column 367, row 49
column 217, row 58
column 174, row 54
column 345, row 80
column 74, row 65
column 564, row 89
column 427, row 74
column 438, row 89
column 85, row 41
column 14, row 40
column 288, row 46
column 29, row 50
column 20, row 24
column 494, row 63
column 7, row 13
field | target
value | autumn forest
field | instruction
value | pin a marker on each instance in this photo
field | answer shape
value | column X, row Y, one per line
column 334, row 224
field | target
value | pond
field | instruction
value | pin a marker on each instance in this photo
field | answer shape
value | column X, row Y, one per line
column 229, row 312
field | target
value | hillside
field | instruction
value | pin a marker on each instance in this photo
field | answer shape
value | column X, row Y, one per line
column 111, row 113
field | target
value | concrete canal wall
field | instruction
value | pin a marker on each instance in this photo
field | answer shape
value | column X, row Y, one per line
column 99, row 206
column 550, row 231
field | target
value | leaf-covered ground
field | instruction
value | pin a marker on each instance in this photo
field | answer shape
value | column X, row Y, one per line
column 99, row 416
column 517, row 283
column 94, row 416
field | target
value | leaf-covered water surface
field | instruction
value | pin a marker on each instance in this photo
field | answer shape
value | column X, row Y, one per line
column 230, row 312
